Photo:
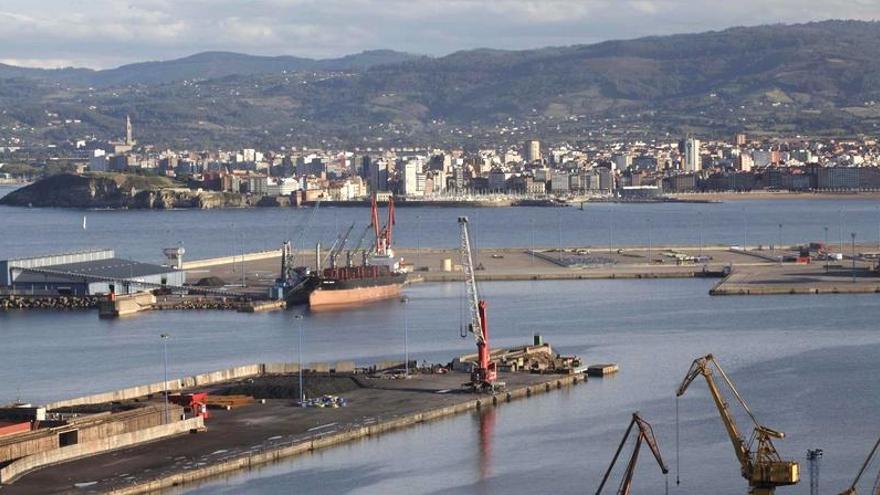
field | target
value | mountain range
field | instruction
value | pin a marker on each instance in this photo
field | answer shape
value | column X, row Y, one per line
column 816, row 78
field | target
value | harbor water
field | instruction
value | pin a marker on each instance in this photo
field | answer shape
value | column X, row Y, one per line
column 806, row 364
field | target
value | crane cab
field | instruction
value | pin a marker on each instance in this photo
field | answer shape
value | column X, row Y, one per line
column 777, row 473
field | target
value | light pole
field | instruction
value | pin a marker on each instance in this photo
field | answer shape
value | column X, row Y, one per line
column 745, row 230
column 779, row 246
column 419, row 240
column 405, row 301
column 840, row 228
column 853, row 254
column 649, row 240
column 165, row 338
column 611, row 232
column 700, row 215
column 826, row 249
column 302, row 391
column 532, row 239
column 559, row 230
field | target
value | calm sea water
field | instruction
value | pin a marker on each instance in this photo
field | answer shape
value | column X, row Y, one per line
column 807, row 365
column 207, row 233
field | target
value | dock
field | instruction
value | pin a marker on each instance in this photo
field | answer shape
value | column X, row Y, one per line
column 375, row 402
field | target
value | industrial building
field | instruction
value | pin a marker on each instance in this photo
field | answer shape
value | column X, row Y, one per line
column 84, row 273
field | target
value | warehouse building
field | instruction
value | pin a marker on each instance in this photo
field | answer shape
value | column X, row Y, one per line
column 84, row 273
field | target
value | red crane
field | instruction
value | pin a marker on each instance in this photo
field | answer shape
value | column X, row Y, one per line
column 383, row 233
column 484, row 374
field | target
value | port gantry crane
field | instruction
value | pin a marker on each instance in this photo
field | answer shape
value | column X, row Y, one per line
column 762, row 467
column 646, row 435
column 484, row 375
column 853, row 490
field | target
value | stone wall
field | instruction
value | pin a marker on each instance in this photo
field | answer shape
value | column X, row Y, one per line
column 26, row 464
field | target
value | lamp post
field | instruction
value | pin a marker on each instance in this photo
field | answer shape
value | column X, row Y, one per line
column 405, row 301
column 532, row 240
column 779, row 246
column 826, row 249
column 165, row 338
column 302, row 391
column 649, row 240
column 611, row 232
column 853, row 254
column 700, row 215
column 419, row 240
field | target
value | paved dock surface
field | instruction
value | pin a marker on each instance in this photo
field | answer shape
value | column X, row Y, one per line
column 255, row 428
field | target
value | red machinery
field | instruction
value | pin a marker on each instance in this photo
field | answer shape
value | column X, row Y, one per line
column 383, row 233
column 195, row 403
column 484, row 374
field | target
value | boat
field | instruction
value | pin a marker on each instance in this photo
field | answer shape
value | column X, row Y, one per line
column 378, row 277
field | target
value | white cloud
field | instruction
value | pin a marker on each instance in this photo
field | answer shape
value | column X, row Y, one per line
column 109, row 32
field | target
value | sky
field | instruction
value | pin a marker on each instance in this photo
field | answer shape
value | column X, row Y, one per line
column 109, row 33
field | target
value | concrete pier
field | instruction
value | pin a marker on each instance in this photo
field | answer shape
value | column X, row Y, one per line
column 276, row 428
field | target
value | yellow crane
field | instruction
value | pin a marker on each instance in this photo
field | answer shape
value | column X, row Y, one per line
column 852, row 490
column 646, row 435
column 759, row 461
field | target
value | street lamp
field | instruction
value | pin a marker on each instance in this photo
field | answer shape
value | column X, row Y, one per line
column 649, row 240
column 826, row 249
column 165, row 338
column 700, row 215
column 779, row 246
column 611, row 231
column 405, row 301
column 853, row 254
column 419, row 240
column 302, row 392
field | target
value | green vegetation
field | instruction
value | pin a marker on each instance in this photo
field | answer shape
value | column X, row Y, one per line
column 812, row 78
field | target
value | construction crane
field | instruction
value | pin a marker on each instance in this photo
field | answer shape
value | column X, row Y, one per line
column 853, row 490
column 646, row 435
column 484, row 374
column 762, row 467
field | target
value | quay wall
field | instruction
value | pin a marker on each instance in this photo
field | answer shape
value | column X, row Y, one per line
column 204, row 379
column 26, row 464
column 255, row 459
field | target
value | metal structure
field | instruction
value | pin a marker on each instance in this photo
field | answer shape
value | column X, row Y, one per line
column 484, row 374
column 645, row 435
column 338, row 246
column 760, row 463
column 853, row 489
column 814, row 456
column 384, row 234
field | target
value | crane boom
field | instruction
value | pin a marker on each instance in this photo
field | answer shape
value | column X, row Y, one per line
column 852, row 490
column 763, row 468
column 484, row 375
column 646, row 435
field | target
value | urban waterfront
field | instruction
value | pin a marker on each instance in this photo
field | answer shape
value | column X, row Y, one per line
column 804, row 363
column 142, row 234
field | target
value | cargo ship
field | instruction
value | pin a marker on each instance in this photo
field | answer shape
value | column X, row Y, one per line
column 379, row 276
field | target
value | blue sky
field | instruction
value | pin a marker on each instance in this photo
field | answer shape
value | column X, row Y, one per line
column 107, row 33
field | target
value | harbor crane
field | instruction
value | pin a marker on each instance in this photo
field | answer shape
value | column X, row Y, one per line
column 760, row 463
column 383, row 233
column 484, row 375
column 644, row 435
column 853, row 490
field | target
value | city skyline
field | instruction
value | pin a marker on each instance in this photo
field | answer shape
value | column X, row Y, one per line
column 110, row 33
